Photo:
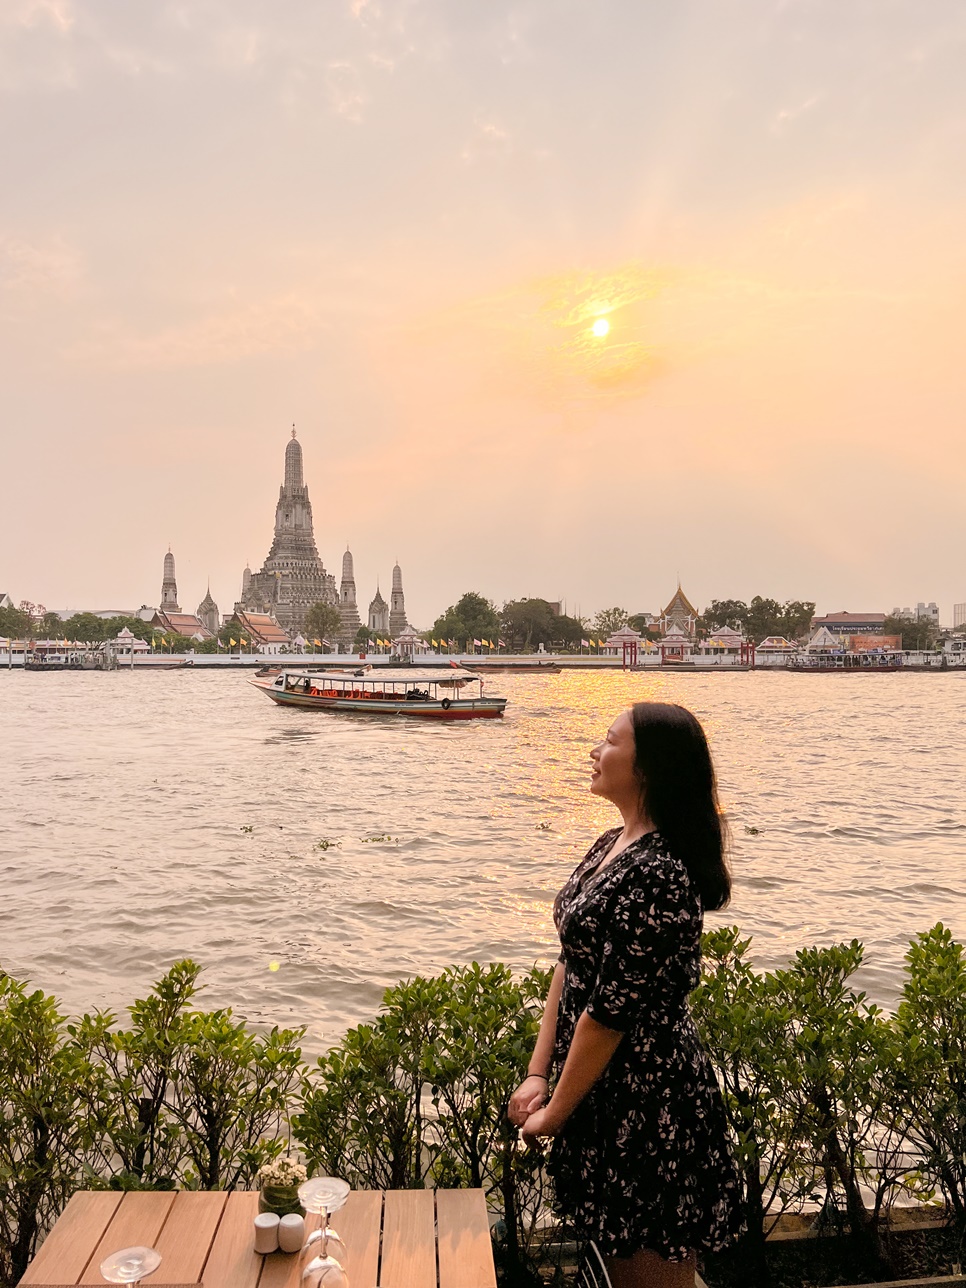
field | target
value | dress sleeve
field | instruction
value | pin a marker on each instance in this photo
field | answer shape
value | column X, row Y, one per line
column 640, row 960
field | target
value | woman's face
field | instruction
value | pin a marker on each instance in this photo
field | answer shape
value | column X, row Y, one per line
column 613, row 775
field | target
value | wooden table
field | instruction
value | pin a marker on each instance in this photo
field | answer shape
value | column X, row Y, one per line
column 395, row 1239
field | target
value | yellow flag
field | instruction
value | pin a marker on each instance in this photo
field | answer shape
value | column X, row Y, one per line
column 242, row 640
column 435, row 643
column 232, row 642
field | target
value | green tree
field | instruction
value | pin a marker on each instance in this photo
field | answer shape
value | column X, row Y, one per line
column 471, row 617
column 322, row 622
column 921, row 635
column 609, row 620
column 640, row 623
column 363, row 636
column 526, row 623
column 567, row 630
column 760, row 618
column 15, row 624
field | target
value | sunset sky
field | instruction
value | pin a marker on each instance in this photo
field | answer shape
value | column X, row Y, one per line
column 396, row 224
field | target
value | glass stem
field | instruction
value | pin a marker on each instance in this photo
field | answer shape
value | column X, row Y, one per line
column 325, row 1232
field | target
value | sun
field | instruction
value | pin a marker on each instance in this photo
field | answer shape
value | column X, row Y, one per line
column 600, row 327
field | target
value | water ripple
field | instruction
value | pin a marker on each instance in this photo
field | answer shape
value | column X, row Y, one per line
column 157, row 815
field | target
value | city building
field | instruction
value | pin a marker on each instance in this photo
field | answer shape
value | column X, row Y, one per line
column 851, row 623
column 922, row 613
column 959, row 615
column 5, row 601
column 293, row 577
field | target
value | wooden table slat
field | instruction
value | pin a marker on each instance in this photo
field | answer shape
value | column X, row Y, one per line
column 233, row 1261
column 408, row 1240
column 359, row 1225
column 188, row 1233
column 139, row 1219
column 463, row 1234
column 67, row 1249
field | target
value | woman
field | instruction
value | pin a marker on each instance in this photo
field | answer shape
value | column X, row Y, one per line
column 640, row 1161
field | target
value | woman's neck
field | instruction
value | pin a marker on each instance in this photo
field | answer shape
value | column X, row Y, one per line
column 636, row 825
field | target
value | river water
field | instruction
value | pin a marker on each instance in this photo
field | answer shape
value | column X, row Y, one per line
column 156, row 815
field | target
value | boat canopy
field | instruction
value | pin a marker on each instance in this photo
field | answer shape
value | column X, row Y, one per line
column 445, row 679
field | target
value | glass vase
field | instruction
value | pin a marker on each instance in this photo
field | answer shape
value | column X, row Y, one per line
column 280, row 1199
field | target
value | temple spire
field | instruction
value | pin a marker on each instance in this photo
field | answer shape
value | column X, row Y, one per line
column 169, row 586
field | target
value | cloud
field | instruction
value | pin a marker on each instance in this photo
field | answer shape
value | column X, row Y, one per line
column 37, row 266
column 58, row 14
column 286, row 322
column 345, row 92
column 489, row 139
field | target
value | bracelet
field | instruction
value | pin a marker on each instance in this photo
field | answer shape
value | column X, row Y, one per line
column 542, row 1076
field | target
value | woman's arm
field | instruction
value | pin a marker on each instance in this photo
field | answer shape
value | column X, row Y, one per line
column 589, row 1055
column 533, row 1091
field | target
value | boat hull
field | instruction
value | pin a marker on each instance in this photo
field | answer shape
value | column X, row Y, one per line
column 458, row 708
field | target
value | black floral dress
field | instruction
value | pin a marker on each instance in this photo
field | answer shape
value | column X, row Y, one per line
column 643, row 1161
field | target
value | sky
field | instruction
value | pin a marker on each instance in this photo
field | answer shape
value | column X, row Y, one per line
column 397, row 224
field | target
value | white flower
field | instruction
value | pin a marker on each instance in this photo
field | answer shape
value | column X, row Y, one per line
column 284, row 1171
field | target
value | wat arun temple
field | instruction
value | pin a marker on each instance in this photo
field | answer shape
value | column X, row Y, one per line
column 293, row 577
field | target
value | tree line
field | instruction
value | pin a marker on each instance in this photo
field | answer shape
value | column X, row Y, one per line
column 522, row 624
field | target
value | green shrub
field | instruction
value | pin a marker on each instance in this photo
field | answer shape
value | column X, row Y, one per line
column 420, row 1095
column 930, row 1067
column 47, row 1137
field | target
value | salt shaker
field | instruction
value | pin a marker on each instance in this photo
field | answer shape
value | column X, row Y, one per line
column 266, row 1232
column 291, row 1233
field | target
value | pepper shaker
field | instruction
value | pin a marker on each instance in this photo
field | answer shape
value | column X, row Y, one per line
column 291, row 1233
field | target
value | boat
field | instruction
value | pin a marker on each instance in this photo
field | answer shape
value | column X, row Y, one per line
column 434, row 696
column 512, row 668
column 71, row 658
column 845, row 663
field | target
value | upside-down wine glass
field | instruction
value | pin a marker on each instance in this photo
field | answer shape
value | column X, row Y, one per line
column 322, row 1195
column 130, row 1265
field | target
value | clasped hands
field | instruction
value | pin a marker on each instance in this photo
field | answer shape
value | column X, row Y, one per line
column 528, row 1110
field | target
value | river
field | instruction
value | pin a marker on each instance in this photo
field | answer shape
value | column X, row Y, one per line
column 309, row 860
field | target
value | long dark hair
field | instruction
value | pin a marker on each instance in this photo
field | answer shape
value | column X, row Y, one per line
column 680, row 795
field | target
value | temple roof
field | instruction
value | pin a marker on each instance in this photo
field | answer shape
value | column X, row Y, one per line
column 378, row 601
column 680, row 605
column 264, row 628
column 181, row 624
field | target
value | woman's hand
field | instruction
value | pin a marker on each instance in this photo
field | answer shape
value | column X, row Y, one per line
column 531, row 1094
column 542, row 1122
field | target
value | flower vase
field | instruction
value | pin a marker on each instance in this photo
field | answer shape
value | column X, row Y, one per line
column 280, row 1199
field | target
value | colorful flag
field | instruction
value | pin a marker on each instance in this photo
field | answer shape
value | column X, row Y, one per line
column 243, row 640
column 502, row 643
column 585, row 643
column 477, row 644
column 232, row 642
column 317, row 643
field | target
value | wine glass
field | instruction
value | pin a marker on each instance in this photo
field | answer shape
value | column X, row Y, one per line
column 130, row 1265
column 322, row 1195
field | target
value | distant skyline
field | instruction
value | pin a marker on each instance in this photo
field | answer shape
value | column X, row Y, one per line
column 399, row 225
